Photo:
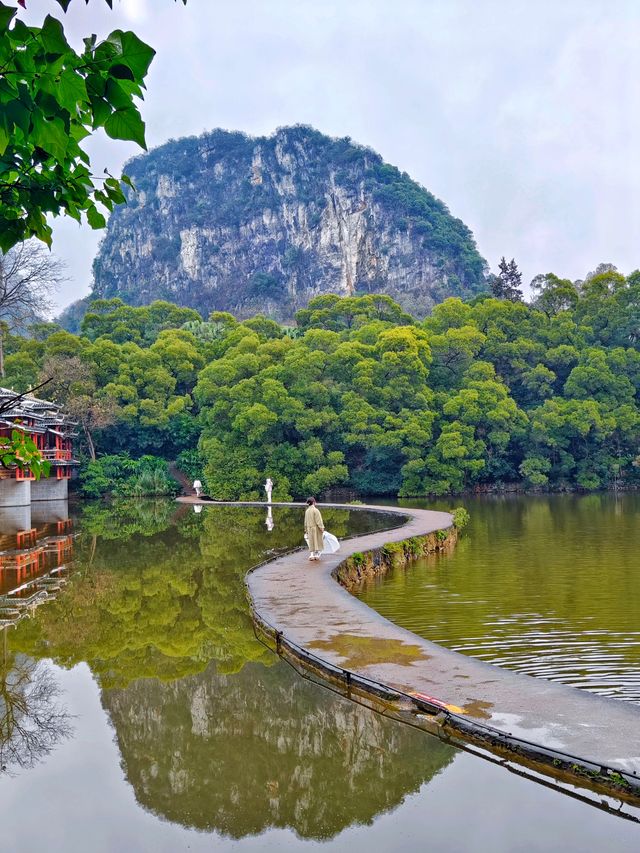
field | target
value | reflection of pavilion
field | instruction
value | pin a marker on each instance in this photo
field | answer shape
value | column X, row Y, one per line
column 35, row 550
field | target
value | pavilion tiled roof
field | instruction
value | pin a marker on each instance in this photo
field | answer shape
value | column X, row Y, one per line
column 45, row 415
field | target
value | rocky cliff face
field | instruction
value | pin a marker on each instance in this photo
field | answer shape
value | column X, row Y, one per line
column 229, row 222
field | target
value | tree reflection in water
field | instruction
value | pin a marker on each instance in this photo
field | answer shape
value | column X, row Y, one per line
column 162, row 597
column 32, row 722
column 214, row 732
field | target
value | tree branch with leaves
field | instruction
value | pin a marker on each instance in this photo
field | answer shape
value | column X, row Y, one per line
column 52, row 99
column 74, row 388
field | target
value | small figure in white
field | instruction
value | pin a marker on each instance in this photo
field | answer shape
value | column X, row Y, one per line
column 313, row 529
column 197, row 488
column 268, row 487
column 269, row 520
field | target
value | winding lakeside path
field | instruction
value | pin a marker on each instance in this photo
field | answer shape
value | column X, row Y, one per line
column 304, row 605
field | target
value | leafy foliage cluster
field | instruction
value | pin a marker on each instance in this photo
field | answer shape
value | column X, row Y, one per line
column 51, row 99
column 508, row 283
column 127, row 378
column 119, row 474
column 477, row 394
column 461, row 518
column 20, row 450
column 360, row 394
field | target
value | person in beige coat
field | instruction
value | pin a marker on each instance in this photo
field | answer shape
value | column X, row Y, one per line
column 313, row 528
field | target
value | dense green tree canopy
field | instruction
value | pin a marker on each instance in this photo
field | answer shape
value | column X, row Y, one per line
column 359, row 394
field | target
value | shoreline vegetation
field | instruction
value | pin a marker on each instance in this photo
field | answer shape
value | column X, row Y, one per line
column 489, row 395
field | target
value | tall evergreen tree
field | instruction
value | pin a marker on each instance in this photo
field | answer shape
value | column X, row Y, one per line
column 508, row 283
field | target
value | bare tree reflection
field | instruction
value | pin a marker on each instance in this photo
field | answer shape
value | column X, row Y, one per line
column 32, row 722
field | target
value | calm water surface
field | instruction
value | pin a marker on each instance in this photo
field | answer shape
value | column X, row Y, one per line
column 547, row 585
column 139, row 713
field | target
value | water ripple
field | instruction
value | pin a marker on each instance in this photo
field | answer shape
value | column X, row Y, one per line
column 547, row 586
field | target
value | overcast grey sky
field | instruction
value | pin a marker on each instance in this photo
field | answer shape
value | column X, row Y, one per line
column 524, row 117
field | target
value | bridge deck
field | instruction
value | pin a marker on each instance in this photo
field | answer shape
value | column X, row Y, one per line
column 303, row 601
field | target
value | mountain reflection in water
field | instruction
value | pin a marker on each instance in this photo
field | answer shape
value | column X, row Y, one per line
column 263, row 748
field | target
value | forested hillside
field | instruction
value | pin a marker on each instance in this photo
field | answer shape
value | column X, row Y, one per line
column 360, row 394
column 231, row 222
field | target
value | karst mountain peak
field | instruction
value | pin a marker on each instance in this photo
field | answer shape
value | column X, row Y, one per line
column 226, row 221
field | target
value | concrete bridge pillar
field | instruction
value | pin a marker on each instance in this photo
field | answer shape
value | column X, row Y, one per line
column 15, row 492
column 15, row 519
column 49, row 489
column 46, row 512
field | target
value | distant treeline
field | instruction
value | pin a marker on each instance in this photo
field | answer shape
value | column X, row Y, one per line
column 359, row 394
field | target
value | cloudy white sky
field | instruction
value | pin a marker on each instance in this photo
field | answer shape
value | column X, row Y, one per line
column 524, row 117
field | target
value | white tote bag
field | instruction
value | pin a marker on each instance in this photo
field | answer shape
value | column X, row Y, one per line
column 330, row 543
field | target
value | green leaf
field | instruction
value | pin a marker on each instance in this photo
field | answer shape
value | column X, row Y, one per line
column 117, row 97
column 101, row 111
column 8, row 90
column 134, row 53
column 52, row 35
column 128, row 182
column 126, row 124
column 10, row 234
column 4, row 140
column 49, row 134
column 116, row 196
column 72, row 211
column 20, row 31
column 95, row 219
column 78, row 133
column 71, row 90
column 96, row 84
column 48, row 103
column 18, row 115
column 121, row 72
column 6, row 15
column 107, row 52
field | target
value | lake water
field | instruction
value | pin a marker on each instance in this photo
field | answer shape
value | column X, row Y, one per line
column 546, row 585
column 139, row 713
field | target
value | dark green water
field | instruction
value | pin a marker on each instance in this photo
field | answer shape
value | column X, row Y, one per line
column 549, row 586
column 139, row 713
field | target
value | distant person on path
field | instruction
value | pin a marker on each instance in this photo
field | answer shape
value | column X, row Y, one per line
column 268, row 487
column 197, row 487
column 313, row 529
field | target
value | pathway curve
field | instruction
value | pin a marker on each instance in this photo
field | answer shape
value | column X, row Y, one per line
column 304, row 603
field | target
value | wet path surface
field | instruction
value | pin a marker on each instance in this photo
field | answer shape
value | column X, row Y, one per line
column 303, row 601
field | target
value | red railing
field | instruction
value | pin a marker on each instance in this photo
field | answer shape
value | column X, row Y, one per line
column 57, row 454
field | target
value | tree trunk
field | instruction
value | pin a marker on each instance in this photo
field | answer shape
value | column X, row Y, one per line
column 92, row 449
column 2, row 373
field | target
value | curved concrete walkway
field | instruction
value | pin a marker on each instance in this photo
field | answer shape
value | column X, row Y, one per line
column 304, row 604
